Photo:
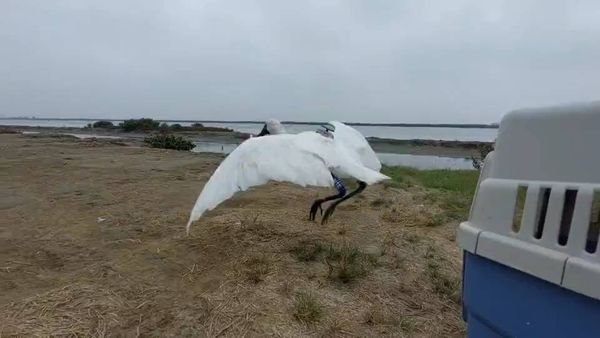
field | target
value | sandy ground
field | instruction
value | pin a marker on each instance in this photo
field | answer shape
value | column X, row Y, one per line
column 92, row 243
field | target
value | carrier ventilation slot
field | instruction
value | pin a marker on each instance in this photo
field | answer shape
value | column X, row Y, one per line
column 591, row 243
column 542, row 210
column 519, row 206
column 567, row 216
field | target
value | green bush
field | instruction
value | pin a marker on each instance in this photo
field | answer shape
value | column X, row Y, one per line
column 484, row 150
column 167, row 141
column 197, row 125
column 103, row 124
column 144, row 124
column 166, row 127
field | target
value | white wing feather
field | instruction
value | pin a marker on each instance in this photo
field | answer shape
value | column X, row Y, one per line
column 356, row 143
column 304, row 159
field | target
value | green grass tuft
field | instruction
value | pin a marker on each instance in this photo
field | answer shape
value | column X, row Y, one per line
column 347, row 263
column 307, row 308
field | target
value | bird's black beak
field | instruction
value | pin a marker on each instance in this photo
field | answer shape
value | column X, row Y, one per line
column 264, row 131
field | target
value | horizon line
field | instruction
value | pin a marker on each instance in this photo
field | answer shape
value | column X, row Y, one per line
column 379, row 124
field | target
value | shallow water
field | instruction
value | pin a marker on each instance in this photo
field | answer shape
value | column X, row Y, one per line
column 84, row 136
column 413, row 161
column 399, row 133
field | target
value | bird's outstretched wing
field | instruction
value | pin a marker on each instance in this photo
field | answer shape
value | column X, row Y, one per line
column 304, row 159
column 356, row 143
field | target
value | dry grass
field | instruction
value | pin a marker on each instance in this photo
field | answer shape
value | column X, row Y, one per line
column 92, row 243
column 307, row 308
column 308, row 251
column 444, row 284
column 257, row 268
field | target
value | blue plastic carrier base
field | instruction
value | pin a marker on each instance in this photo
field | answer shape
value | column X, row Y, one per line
column 499, row 301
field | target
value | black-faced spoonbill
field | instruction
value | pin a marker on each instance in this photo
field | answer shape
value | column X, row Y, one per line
column 307, row 159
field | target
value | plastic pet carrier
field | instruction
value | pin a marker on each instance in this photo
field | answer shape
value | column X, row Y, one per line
column 531, row 256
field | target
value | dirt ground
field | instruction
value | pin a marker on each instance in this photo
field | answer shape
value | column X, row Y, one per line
column 92, row 243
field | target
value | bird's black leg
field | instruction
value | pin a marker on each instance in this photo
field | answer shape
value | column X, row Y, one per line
column 317, row 205
column 329, row 211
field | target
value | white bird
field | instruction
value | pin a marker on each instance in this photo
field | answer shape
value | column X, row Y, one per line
column 307, row 159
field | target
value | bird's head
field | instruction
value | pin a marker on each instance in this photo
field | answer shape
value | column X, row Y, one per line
column 272, row 127
column 326, row 130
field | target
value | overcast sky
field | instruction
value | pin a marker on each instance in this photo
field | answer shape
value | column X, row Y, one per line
column 370, row 60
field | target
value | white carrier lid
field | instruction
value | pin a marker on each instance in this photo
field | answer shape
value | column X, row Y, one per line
column 534, row 208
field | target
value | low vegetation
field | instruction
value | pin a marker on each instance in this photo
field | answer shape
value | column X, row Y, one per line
column 452, row 190
column 483, row 149
column 307, row 308
column 347, row 263
column 307, row 251
column 444, row 284
column 148, row 125
column 167, row 141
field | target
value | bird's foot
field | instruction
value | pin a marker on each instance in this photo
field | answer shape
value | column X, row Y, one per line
column 328, row 213
column 313, row 209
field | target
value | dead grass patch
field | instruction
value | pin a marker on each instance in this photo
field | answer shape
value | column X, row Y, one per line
column 80, row 309
column 337, row 327
column 443, row 284
column 257, row 267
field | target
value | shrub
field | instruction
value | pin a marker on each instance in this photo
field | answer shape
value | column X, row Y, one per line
column 197, row 125
column 167, row 141
column 484, row 150
column 144, row 124
column 103, row 124
column 176, row 126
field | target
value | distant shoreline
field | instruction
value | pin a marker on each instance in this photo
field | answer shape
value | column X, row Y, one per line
column 366, row 124
column 455, row 149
